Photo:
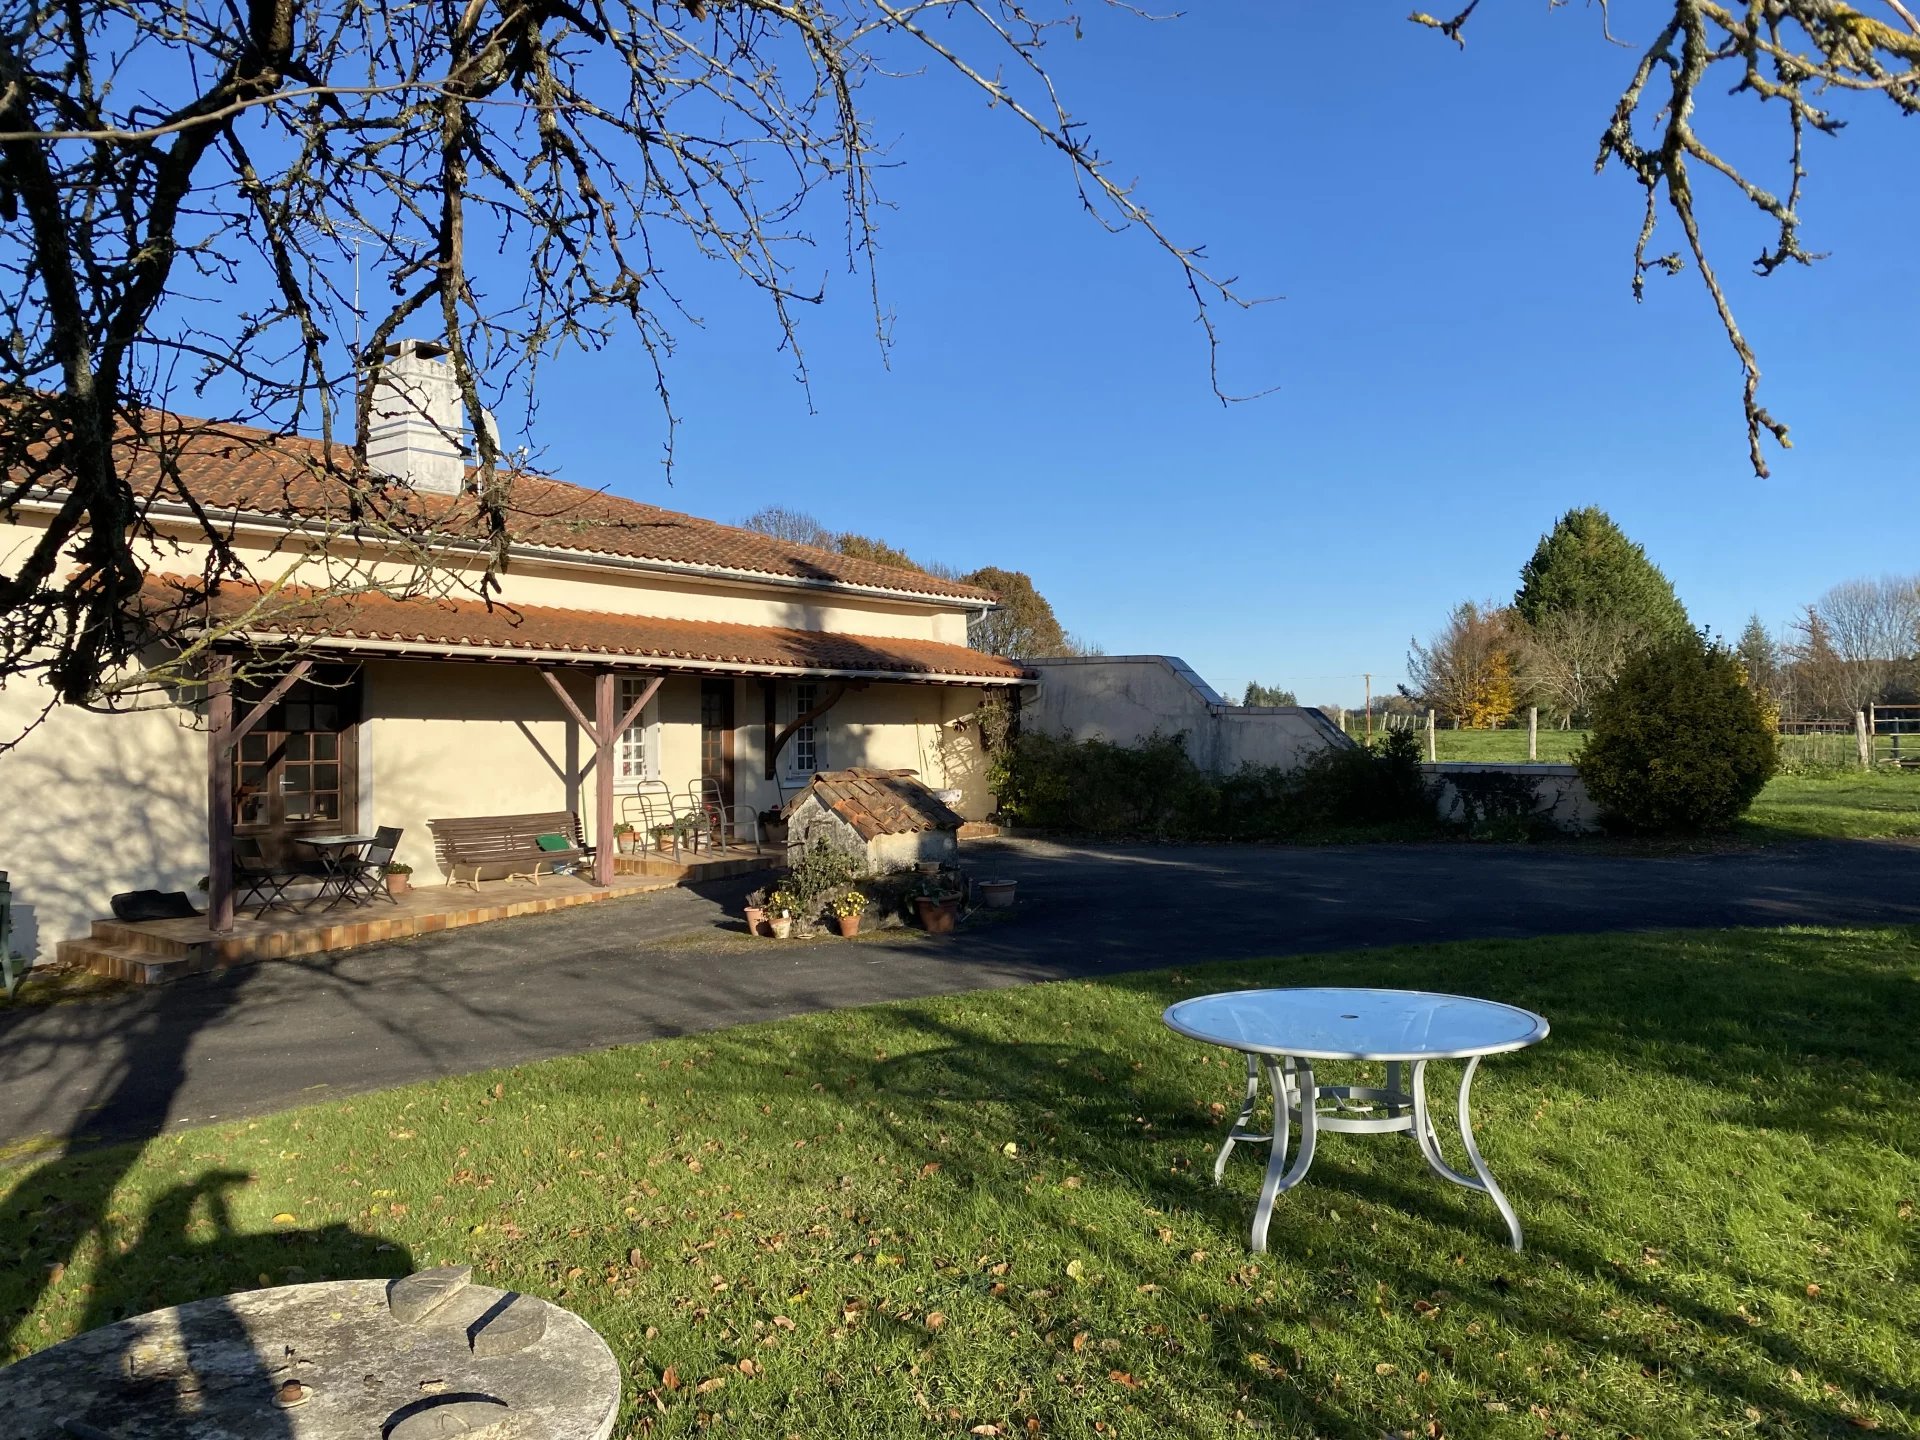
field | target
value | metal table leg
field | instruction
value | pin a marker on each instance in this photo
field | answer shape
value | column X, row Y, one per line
column 1429, row 1141
column 1238, row 1131
column 1291, row 1082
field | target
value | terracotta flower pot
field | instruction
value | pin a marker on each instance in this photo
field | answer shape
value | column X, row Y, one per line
column 849, row 924
column 938, row 916
column 996, row 894
column 782, row 926
column 756, row 920
column 399, row 884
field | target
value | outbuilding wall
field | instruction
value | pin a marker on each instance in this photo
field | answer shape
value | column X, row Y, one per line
column 1127, row 698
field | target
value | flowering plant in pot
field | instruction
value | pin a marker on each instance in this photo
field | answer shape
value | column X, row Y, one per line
column 782, row 905
column 663, row 837
column 623, row 838
column 399, row 877
column 847, row 908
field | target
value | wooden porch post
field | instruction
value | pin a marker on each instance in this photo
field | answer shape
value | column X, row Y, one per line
column 220, row 796
column 606, row 737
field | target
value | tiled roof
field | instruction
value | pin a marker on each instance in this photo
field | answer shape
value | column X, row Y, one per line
column 440, row 625
column 879, row 802
column 240, row 468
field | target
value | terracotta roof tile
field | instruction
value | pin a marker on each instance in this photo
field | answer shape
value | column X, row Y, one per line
column 879, row 802
column 240, row 468
column 469, row 624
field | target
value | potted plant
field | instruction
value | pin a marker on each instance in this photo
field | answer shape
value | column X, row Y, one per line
column 781, row 907
column 995, row 894
column 663, row 837
column 937, row 902
column 756, row 912
column 398, row 877
column 847, row 909
column 623, row 838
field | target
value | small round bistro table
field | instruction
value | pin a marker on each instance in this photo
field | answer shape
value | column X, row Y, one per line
column 337, row 856
column 1282, row 1032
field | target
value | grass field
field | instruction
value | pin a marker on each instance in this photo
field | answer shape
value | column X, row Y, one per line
column 1851, row 805
column 990, row 1215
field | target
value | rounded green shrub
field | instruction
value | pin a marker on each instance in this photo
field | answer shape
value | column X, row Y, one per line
column 1680, row 743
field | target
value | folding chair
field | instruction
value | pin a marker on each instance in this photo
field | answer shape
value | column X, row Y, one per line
column 369, row 876
column 254, row 878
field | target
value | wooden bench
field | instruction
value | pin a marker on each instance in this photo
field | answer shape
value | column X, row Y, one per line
column 507, row 844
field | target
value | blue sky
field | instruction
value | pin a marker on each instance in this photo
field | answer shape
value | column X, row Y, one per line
column 1458, row 357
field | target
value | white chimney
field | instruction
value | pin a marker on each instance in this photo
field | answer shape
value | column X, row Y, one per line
column 417, row 431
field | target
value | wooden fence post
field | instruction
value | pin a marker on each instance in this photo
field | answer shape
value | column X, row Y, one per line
column 1533, row 732
column 1862, row 739
column 1433, row 755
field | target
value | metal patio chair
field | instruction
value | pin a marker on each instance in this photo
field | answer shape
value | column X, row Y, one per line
column 369, row 876
column 715, row 818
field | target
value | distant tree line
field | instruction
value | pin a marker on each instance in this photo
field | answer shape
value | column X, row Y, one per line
column 1590, row 600
column 1022, row 625
column 1857, row 645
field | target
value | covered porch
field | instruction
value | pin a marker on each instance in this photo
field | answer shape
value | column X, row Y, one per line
column 349, row 714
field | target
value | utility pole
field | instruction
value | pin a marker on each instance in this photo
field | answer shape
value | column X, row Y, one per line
column 1369, row 680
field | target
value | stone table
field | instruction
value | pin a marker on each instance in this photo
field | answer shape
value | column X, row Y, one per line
column 428, row 1357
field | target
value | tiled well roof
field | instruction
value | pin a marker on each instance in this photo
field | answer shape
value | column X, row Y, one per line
column 879, row 802
column 439, row 626
column 240, row 468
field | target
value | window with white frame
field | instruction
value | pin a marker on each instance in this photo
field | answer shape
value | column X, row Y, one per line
column 630, row 759
column 803, row 750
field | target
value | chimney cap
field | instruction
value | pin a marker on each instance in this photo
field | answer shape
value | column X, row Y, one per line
column 425, row 349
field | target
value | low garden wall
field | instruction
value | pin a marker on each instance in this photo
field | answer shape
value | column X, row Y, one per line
column 1473, row 793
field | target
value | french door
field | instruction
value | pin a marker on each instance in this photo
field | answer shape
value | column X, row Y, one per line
column 716, row 735
column 296, row 772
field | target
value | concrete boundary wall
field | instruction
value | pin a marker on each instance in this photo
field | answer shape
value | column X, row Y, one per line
column 1559, row 794
column 1126, row 698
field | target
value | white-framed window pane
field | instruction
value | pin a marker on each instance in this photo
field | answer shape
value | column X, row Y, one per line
column 630, row 759
column 805, row 745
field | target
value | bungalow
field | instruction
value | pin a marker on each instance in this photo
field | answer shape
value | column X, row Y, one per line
column 625, row 644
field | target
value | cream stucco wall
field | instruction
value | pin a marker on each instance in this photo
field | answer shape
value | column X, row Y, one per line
column 96, row 804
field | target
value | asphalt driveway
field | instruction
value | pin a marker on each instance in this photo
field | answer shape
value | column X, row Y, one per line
column 264, row 1037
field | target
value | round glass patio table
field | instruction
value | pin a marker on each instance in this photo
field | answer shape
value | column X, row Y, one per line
column 1282, row 1032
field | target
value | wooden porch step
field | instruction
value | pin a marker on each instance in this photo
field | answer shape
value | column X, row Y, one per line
column 665, row 868
column 125, row 962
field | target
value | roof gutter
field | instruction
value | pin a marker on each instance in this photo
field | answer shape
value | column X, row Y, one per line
column 252, row 522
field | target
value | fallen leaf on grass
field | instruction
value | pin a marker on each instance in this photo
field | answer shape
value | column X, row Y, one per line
column 284, row 1218
column 670, row 1378
column 1121, row 1377
column 710, row 1384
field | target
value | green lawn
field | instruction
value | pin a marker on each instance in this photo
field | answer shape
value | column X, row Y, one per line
column 1852, row 805
column 1555, row 746
column 994, row 1210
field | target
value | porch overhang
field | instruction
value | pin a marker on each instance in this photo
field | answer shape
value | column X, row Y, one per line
column 373, row 625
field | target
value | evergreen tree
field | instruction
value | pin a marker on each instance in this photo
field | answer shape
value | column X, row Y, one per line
column 1258, row 694
column 1587, row 564
column 1761, row 657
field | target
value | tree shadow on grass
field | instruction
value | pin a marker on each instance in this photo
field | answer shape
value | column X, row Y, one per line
column 1803, row 1037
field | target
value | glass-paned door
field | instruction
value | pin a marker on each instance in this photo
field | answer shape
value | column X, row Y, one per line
column 716, row 734
column 295, row 772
